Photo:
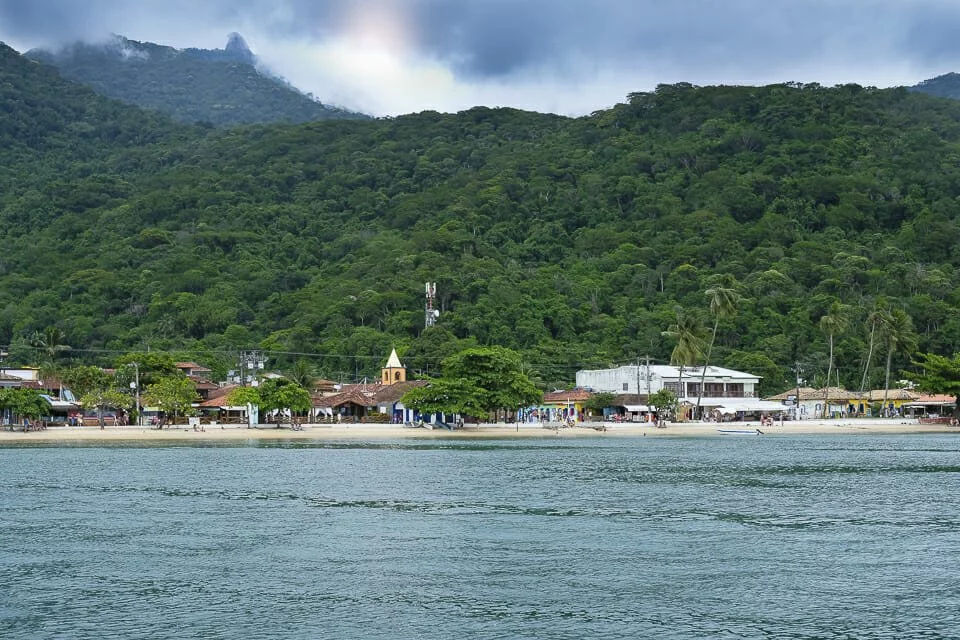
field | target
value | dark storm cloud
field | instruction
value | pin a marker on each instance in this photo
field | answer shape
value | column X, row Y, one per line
column 499, row 36
column 496, row 38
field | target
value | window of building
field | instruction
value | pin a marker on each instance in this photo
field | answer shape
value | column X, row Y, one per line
column 713, row 389
column 626, row 386
column 672, row 386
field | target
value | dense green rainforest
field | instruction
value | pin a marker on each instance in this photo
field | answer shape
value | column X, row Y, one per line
column 570, row 240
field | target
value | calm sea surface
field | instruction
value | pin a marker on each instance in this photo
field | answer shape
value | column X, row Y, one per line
column 734, row 536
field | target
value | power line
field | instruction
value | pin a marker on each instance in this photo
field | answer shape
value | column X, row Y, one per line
column 228, row 352
column 541, row 363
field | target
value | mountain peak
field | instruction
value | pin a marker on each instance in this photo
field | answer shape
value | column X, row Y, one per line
column 219, row 86
column 944, row 86
column 237, row 47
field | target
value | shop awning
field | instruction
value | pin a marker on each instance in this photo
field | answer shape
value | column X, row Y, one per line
column 59, row 404
column 751, row 405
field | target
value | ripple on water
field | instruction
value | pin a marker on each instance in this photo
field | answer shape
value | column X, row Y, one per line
column 788, row 537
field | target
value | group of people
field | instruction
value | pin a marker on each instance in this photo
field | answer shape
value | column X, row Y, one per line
column 32, row 425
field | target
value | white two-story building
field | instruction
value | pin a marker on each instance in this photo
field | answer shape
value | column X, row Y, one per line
column 723, row 389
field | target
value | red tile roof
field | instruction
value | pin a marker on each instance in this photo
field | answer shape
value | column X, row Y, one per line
column 355, row 396
column 573, row 395
column 203, row 383
column 935, row 399
column 190, row 365
column 218, row 397
column 876, row 395
column 391, row 393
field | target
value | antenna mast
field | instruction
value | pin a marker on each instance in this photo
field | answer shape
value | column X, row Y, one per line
column 431, row 314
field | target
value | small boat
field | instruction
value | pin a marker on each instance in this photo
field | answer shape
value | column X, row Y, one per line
column 752, row 432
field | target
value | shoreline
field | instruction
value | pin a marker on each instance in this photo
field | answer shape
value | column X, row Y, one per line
column 325, row 432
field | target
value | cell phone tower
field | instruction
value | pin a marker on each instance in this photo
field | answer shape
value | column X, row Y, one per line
column 431, row 314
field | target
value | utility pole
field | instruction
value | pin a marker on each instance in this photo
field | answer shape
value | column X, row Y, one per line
column 136, row 381
column 647, row 358
column 799, row 370
column 252, row 361
column 648, row 377
column 638, row 380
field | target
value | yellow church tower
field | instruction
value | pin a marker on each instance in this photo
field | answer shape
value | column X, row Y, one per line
column 393, row 372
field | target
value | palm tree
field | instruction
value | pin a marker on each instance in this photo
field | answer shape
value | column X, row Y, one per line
column 833, row 323
column 686, row 330
column 874, row 319
column 51, row 342
column 302, row 373
column 896, row 333
column 723, row 298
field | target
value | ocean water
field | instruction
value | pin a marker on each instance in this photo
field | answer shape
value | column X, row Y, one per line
column 606, row 537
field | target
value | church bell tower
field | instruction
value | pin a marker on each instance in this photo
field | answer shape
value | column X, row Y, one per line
column 394, row 371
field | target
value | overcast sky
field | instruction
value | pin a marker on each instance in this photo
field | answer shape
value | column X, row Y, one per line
column 388, row 57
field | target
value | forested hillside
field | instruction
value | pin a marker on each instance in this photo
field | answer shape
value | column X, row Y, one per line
column 220, row 86
column 570, row 240
column 945, row 86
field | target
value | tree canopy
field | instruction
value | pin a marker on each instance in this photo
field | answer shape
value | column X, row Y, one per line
column 174, row 395
column 569, row 241
column 283, row 393
column 23, row 403
column 447, row 396
column 274, row 394
column 496, row 377
column 96, row 389
column 938, row 374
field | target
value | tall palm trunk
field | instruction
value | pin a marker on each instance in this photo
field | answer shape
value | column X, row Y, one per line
column 886, row 382
column 706, row 362
column 826, row 389
column 866, row 367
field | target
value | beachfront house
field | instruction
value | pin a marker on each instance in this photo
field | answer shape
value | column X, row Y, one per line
column 62, row 404
column 10, row 381
column 805, row 403
column 351, row 403
column 559, row 406
column 216, row 408
column 724, row 390
column 895, row 401
column 930, row 405
column 633, row 407
column 840, row 402
column 388, row 400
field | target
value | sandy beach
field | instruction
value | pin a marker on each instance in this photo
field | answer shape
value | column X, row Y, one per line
column 393, row 432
